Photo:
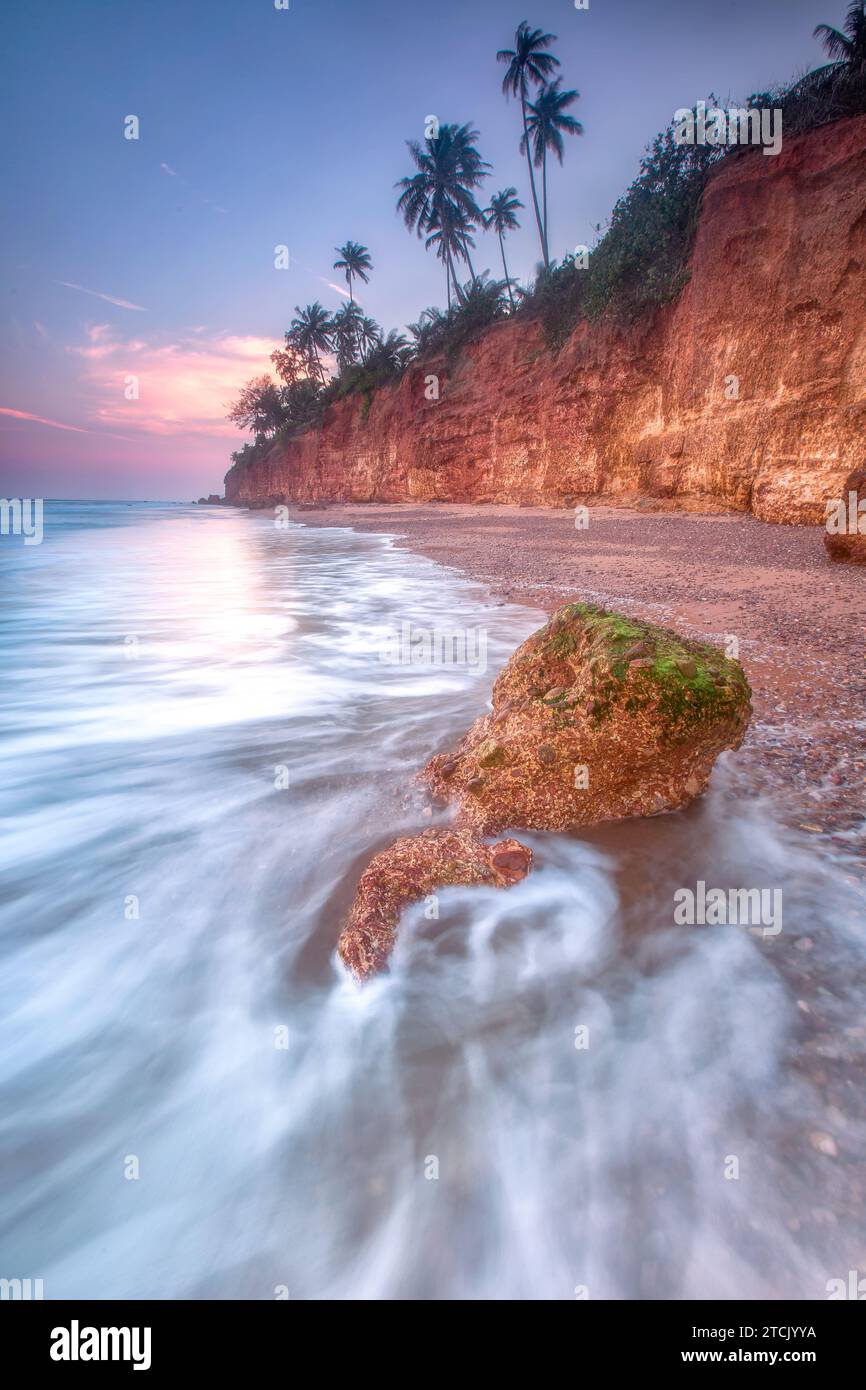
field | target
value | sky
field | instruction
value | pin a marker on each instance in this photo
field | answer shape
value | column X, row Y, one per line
column 148, row 264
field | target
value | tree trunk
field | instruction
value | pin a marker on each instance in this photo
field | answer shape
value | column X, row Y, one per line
column 531, row 175
column 461, row 298
column 505, row 268
column 469, row 261
column 544, row 179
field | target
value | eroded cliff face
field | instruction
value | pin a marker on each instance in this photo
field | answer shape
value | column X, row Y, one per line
column 776, row 299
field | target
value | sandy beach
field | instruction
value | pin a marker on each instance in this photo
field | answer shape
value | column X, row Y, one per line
column 797, row 618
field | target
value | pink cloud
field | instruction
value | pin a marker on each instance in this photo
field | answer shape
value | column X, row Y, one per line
column 102, row 343
column 53, row 424
column 184, row 387
column 39, row 420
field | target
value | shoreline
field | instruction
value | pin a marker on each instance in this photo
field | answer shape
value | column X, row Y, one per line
column 709, row 575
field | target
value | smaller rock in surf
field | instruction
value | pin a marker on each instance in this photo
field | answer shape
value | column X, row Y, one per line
column 411, row 869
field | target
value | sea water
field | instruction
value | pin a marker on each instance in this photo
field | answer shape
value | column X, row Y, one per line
column 555, row 1092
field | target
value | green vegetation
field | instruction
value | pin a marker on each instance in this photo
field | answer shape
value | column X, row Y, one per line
column 501, row 215
column 639, row 261
column 439, row 198
column 546, row 122
column 311, row 334
column 843, row 78
column 688, row 682
column 483, row 303
column 528, row 62
column 354, row 261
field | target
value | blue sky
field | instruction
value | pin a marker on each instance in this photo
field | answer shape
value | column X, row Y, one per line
column 259, row 127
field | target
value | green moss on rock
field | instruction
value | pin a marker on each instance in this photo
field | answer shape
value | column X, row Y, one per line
column 689, row 682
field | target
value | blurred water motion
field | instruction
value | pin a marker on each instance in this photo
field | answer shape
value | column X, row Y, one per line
column 200, row 748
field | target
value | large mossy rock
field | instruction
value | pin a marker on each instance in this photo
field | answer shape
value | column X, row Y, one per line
column 596, row 717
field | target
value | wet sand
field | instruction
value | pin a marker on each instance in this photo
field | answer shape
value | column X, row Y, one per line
column 799, row 620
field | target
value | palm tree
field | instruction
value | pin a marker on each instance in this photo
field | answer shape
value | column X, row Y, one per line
column 451, row 235
column 445, row 253
column 345, row 326
column 449, row 167
column 527, row 62
column 429, row 331
column 390, row 354
column 547, row 120
column 502, row 217
column 311, row 333
column 369, row 337
column 848, row 49
column 474, row 166
column 484, row 300
column 355, row 260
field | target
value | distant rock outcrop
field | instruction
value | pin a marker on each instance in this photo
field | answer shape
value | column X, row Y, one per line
column 843, row 536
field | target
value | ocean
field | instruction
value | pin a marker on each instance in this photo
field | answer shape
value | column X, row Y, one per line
column 556, row 1092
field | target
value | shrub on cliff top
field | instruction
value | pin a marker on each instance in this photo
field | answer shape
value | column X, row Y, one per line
column 484, row 301
column 274, row 413
column 641, row 260
column 557, row 298
column 816, row 100
column 383, row 364
column 248, row 454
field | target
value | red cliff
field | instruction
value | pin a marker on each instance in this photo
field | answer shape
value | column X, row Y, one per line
column 776, row 299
